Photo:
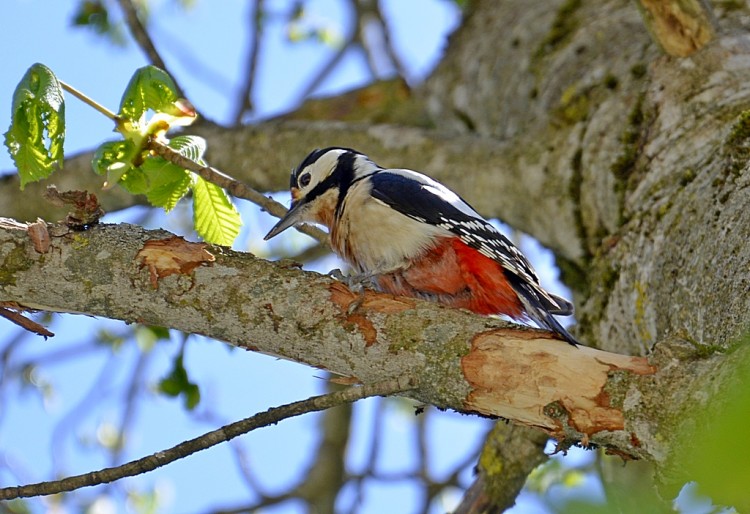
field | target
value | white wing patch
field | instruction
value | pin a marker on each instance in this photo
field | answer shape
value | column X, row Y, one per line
column 438, row 189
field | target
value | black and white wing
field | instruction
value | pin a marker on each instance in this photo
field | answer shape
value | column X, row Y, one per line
column 426, row 200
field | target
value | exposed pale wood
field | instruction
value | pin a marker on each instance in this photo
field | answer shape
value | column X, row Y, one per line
column 541, row 383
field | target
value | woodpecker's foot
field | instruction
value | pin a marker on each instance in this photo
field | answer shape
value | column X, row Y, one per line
column 337, row 274
column 356, row 284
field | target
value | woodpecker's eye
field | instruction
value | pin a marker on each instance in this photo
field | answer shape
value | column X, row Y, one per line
column 304, row 180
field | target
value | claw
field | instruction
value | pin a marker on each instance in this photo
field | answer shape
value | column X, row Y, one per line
column 363, row 281
column 357, row 284
column 337, row 274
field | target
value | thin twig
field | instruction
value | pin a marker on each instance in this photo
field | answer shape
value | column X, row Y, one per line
column 245, row 100
column 142, row 38
column 88, row 101
column 388, row 47
column 101, row 387
column 226, row 433
column 325, row 70
column 235, row 187
column 378, row 420
column 362, row 12
column 209, row 74
column 258, row 506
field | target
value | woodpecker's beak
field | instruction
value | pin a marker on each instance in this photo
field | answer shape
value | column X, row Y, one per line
column 291, row 218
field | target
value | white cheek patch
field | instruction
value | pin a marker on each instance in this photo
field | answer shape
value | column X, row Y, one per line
column 319, row 170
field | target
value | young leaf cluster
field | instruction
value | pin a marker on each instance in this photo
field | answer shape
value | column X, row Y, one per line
column 149, row 108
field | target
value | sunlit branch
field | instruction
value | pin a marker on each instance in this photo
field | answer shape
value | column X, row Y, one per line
column 209, row 439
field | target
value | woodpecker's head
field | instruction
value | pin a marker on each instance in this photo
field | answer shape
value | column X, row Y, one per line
column 319, row 184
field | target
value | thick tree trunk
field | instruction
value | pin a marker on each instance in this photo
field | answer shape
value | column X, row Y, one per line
column 649, row 154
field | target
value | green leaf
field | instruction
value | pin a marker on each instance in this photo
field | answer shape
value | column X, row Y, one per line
column 94, row 15
column 135, row 181
column 192, row 147
column 717, row 453
column 168, row 183
column 216, row 219
column 114, row 159
column 149, row 88
column 37, row 129
column 108, row 338
column 177, row 383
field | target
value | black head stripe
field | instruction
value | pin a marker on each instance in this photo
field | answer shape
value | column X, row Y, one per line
column 313, row 157
column 341, row 176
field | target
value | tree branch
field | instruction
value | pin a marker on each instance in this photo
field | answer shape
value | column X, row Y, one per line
column 476, row 364
column 254, row 155
column 255, row 28
column 142, row 38
column 209, row 439
column 10, row 311
column 509, row 455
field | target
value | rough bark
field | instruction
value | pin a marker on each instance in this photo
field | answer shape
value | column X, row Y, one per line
column 647, row 147
column 651, row 151
column 465, row 362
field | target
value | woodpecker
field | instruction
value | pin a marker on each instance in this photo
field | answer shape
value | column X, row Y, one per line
column 412, row 236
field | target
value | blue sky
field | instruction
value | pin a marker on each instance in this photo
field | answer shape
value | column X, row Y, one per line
column 205, row 49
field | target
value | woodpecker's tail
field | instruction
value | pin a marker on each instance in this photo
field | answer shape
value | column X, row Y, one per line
column 548, row 321
column 559, row 306
column 539, row 307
